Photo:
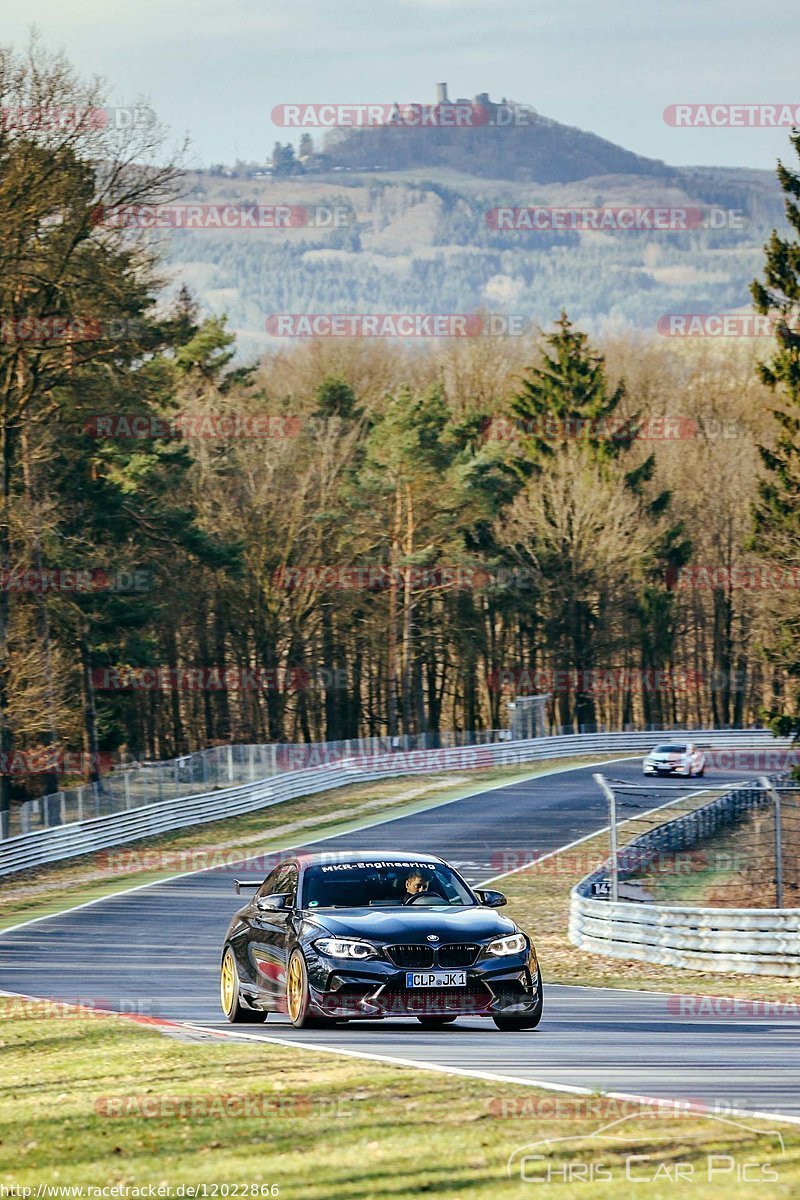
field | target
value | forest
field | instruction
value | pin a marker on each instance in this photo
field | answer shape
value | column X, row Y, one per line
column 354, row 537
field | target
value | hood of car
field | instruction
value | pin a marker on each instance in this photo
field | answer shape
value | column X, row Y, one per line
column 411, row 924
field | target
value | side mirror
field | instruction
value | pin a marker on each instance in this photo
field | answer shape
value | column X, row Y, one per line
column 490, row 898
column 273, row 903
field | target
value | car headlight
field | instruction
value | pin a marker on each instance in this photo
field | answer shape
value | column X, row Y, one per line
column 345, row 948
column 515, row 943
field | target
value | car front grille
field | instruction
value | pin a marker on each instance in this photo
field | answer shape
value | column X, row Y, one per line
column 458, row 954
column 421, row 1002
column 411, row 956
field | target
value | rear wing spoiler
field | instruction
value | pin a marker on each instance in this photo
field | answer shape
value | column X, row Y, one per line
column 238, row 884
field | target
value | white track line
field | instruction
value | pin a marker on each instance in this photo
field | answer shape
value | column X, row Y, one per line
column 416, row 1064
column 496, row 1077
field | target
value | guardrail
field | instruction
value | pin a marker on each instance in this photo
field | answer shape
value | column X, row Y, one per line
column 114, row 829
column 752, row 941
column 136, row 784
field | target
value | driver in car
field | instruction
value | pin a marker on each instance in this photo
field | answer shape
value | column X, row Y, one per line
column 416, row 884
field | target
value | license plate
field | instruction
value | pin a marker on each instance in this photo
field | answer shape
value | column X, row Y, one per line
column 422, row 979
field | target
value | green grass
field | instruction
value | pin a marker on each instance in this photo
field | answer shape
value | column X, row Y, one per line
column 62, row 885
column 321, row 1126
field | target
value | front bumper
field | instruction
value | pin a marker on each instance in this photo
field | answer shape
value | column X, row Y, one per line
column 663, row 768
column 376, row 989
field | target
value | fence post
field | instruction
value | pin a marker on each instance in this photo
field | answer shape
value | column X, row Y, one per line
column 774, row 795
column 230, row 764
column 608, row 792
column 126, row 783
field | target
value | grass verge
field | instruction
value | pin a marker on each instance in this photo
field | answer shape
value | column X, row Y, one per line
column 61, row 885
column 100, row 1102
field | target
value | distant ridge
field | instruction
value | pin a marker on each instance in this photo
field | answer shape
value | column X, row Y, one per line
column 528, row 148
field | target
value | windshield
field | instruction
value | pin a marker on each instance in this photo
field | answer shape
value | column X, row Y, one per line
column 670, row 750
column 383, row 885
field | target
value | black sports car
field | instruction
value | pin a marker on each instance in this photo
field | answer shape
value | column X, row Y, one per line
column 366, row 936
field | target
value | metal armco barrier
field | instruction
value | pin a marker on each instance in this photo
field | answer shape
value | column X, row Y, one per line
column 751, row 941
column 84, row 837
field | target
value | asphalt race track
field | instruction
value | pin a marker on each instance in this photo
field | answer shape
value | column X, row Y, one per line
column 155, row 951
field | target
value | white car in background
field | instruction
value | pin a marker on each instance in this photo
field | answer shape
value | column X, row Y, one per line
column 675, row 758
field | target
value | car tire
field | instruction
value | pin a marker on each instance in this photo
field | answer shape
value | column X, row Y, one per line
column 230, row 996
column 512, row 1024
column 436, row 1022
column 298, row 996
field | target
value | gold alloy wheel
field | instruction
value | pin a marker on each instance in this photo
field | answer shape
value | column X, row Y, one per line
column 227, row 983
column 294, row 987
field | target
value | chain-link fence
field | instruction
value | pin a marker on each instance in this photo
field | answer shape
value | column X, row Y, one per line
column 133, row 785
column 740, row 849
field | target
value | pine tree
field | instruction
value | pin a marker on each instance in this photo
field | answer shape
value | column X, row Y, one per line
column 336, row 398
column 566, row 396
column 567, row 410
column 777, row 511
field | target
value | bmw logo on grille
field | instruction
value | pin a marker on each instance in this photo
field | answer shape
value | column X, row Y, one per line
column 432, row 937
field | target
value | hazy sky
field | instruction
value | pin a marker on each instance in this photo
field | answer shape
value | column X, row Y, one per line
column 215, row 69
